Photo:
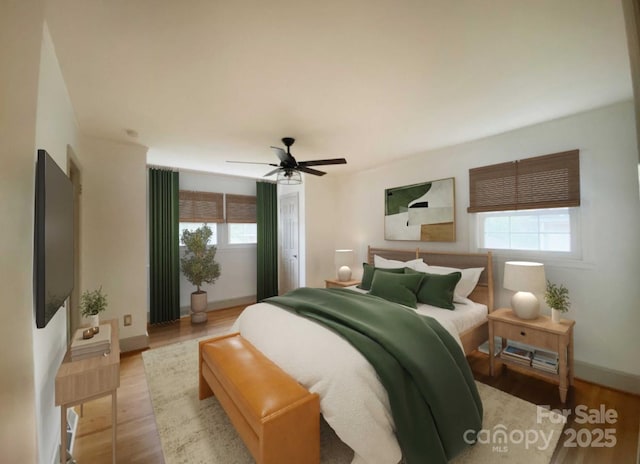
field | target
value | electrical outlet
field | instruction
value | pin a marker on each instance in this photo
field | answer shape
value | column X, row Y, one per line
column 127, row 319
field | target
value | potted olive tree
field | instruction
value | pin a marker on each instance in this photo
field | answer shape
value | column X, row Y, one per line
column 92, row 304
column 199, row 266
column 557, row 297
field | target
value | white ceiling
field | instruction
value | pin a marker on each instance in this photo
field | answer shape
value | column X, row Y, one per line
column 206, row 81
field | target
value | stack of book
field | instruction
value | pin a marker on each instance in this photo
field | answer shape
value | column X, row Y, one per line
column 517, row 355
column 99, row 345
column 545, row 361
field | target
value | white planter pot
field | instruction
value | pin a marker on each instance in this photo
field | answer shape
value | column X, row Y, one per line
column 198, row 307
column 94, row 321
column 556, row 315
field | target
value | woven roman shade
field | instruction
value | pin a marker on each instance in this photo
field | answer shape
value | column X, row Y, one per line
column 549, row 181
column 241, row 209
column 201, row 207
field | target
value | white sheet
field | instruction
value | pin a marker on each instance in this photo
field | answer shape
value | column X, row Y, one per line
column 352, row 399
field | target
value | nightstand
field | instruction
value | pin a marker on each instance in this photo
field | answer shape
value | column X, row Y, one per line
column 540, row 333
column 329, row 283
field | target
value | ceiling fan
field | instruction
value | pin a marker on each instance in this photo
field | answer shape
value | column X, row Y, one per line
column 289, row 169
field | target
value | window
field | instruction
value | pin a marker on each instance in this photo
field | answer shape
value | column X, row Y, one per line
column 528, row 205
column 548, row 230
column 550, row 181
column 201, row 207
column 240, row 208
column 242, row 233
column 232, row 218
column 241, row 219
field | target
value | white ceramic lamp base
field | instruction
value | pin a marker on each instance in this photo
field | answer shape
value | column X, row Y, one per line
column 525, row 305
column 344, row 273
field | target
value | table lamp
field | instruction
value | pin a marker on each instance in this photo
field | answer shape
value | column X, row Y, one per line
column 525, row 279
column 344, row 258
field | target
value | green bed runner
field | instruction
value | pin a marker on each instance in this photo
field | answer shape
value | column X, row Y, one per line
column 433, row 397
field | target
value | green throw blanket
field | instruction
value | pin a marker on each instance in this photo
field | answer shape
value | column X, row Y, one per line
column 433, row 397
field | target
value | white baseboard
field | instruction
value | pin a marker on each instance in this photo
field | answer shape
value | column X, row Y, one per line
column 221, row 304
column 607, row 377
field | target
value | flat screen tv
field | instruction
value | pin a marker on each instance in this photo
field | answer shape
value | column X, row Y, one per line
column 53, row 240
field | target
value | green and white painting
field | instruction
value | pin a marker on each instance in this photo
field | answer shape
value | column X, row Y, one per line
column 421, row 212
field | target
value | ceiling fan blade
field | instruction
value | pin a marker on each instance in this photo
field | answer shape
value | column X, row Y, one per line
column 251, row 162
column 315, row 172
column 323, row 162
column 270, row 173
column 281, row 154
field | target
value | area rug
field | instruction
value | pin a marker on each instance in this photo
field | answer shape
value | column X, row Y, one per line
column 193, row 431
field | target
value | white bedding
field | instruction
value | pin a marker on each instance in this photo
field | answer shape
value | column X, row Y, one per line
column 352, row 399
column 464, row 317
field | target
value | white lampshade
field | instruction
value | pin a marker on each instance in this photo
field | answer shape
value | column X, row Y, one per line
column 525, row 278
column 343, row 261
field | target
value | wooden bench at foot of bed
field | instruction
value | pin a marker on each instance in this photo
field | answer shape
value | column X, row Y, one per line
column 278, row 419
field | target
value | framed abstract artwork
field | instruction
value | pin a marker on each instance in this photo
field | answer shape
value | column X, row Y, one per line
column 421, row 212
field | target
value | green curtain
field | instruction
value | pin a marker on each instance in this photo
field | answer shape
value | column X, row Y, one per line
column 267, row 225
column 164, row 259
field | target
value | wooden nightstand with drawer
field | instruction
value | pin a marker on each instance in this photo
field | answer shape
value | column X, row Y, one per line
column 335, row 283
column 540, row 333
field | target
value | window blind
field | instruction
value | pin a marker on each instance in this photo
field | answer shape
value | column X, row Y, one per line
column 241, row 209
column 201, row 207
column 549, row 181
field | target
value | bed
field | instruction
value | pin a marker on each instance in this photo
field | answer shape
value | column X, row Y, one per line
column 352, row 399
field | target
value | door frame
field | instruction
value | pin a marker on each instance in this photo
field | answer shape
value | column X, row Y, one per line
column 73, row 305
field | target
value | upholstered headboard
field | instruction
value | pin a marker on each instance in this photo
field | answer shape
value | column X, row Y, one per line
column 483, row 293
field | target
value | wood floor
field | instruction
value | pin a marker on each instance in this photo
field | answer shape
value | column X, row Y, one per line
column 138, row 440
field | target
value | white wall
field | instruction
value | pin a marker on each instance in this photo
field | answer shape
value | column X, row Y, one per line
column 37, row 113
column 604, row 283
column 55, row 130
column 21, row 38
column 238, row 275
column 114, row 229
column 323, row 232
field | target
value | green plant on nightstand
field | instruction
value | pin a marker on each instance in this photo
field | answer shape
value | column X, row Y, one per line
column 92, row 304
column 557, row 297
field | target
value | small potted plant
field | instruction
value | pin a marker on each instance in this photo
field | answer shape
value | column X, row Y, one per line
column 92, row 304
column 557, row 297
column 199, row 266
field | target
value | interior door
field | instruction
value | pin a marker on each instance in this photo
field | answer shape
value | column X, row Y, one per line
column 289, row 240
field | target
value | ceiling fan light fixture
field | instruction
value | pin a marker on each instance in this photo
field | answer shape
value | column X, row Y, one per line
column 289, row 169
column 289, row 177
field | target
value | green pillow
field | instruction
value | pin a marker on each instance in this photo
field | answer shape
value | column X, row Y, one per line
column 369, row 271
column 399, row 288
column 436, row 289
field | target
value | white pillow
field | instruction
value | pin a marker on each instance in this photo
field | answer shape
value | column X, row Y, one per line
column 468, row 281
column 379, row 261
